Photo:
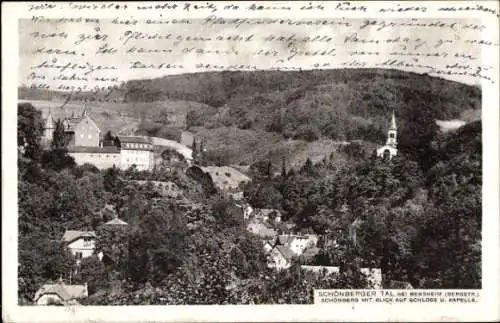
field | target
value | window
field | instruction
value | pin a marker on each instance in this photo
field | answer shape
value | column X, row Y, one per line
column 391, row 135
column 78, row 255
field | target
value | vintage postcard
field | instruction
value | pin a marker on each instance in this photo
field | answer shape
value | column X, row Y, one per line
column 250, row 161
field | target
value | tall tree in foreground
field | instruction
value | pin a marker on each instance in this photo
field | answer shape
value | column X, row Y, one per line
column 29, row 130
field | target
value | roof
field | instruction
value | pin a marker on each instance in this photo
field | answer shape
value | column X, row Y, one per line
column 116, row 221
column 285, row 239
column 71, row 123
column 65, row 292
column 72, row 235
column 94, row 150
column 266, row 212
column 320, row 269
column 311, row 252
column 285, row 251
column 261, row 230
column 396, row 284
column 393, row 121
column 135, row 139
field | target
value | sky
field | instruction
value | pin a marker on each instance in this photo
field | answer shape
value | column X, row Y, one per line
column 333, row 44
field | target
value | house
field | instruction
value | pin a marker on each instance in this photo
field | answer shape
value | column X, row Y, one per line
column 280, row 257
column 261, row 229
column 322, row 269
column 83, row 131
column 373, row 276
column 136, row 150
column 80, row 243
column 238, row 196
column 310, row 253
column 267, row 214
column 79, row 131
column 268, row 245
column 297, row 243
column 60, row 294
column 247, row 212
column 100, row 157
column 187, row 139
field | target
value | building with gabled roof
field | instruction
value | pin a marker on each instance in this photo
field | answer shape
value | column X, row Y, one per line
column 60, row 294
column 280, row 257
column 80, row 243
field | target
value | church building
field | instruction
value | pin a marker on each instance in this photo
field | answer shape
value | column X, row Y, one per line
column 390, row 149
column 87, row 145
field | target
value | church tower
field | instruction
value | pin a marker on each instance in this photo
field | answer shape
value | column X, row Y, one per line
column 392, row 133
column 390, row 149
column 48, row 128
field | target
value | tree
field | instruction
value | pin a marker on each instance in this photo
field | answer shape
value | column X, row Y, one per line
column 283, row 167
column 195, row 152
column 29, row 130
column 59, row 139
column 157, row 245
column 164, row 116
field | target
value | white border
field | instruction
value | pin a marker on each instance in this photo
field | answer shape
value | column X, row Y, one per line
column 487, row 310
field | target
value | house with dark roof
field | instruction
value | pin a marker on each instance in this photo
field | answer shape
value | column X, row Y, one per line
column 80, row 243
column 60, row 294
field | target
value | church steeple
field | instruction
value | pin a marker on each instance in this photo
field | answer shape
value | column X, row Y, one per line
column 393, row 121
column 49, row 122
column 392, row 133
column 84, row 113
column 390, row 149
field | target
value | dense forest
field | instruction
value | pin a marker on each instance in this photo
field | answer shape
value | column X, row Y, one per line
column 417, row 216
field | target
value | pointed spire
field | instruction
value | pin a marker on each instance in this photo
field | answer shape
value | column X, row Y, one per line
column 49, row 122
column 84, row 113
column 393, row 121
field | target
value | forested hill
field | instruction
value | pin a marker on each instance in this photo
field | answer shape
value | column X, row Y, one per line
column 337, row 104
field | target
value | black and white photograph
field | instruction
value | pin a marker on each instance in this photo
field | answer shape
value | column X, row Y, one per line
column 220, row 160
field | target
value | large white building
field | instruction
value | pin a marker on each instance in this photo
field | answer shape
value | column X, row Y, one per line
column 80, row 243
column 136, row 151
column 87, row 145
